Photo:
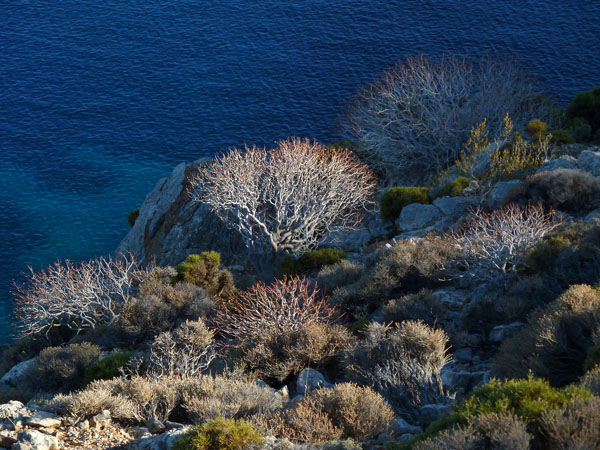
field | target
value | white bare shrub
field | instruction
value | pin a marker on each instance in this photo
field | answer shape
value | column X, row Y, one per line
column 415, row 119
column 285, row 200
column 186, row 351
column 494, row 245
column 76, row 295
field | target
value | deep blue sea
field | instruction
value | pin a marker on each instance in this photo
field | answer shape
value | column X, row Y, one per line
column 99, row 99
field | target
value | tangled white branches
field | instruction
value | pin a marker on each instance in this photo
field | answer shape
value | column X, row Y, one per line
column 76, row 295
column 285, row 200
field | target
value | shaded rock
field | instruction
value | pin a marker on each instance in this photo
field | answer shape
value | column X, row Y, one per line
column 138, row 432
column 101, row 420
column 16, row 375
column 502, row 332
column 416, row 216
column 431, row 413
column 12, row 410
column 500, row 191
column 284, row 392
column 564, row 162
column 163, row 441
column 590, row 162
column 7, row 439
column 349, row 240
column 401, row 426
column 43, row 419
column 455, row 206
column 463, row 354
column 594, row 216
column 155, row 426
column 173, row 425
column 171, row 225
column 309, row 380
column 35, row 440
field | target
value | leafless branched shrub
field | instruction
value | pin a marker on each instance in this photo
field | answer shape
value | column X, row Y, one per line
column 76, row 295
column 285, row 200
column 401, row 362
column 494, row 244
column 186, row 351
column 489, row 431
column 285, row 304
column 413, row 121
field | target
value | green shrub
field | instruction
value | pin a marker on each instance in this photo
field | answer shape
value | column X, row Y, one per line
column 453, row 188
column 554, row 343
column 536, row 128
column 132, row 216
column 311, row 260
column 62, row 368
column 580, row 129
column 106, row 368
column 593, row 357
column 220, row 434
column 561, row 136
column 546, row 250
column 203, row 271
column 396, row 198
column 586, row 104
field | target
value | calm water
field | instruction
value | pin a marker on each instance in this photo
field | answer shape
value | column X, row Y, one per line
column 99, row 99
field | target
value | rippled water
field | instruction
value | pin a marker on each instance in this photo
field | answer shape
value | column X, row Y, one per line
column 99, row 99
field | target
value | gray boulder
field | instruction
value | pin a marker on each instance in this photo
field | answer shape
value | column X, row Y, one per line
column 35, row 440
column 590, row 161
column 13, row 410
column 400, row 426
column 164, row 441
column 431, row 413
column 417, row 216
column 309, row 380
column 502, row 332
column 15, row 376
column 564, row 162
column 500, row 191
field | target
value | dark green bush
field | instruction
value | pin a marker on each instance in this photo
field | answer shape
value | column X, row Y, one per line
column 220, row 434
column 453, row 188
column 132, row 216
column 396, row 198
column 586, row 104
column 106, row 368
column 580, row 129
column 593, row 357
column 554, row 343
column 203, row 271
column 561, row 136
column 546, row 250
column 62, row 368
column 536, row 128
column 311, row 260
column 568, row 190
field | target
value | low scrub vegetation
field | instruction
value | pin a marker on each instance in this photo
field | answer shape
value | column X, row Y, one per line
column 220, row 434
column 396, row 198
column 312, row 260
column 204, row 271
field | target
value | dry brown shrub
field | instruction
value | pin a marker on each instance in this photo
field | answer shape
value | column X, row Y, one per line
column 402, row 362
column 304, row 422
column 409, row 266
column 358, row 411
column 278, row 353
column 553, row 345
column 422, row 305
column 205, row 398
column 576, row 427
column 338, row 275
column 591, row 380
column 485, row 432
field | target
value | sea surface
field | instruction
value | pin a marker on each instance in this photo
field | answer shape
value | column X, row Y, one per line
column 99, row 99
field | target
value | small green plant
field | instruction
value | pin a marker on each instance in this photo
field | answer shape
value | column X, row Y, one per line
column 132, row 216
column 561, row 136
column 546, row 250
column 311, row 260
column 536, row 129
column 593, row 357
column 580, row 128
column 203, row 271
column 106, row 368
column 398, row 197
column 220, row 434
column 453, row 188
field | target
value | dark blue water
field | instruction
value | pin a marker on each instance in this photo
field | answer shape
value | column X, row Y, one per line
column 99, row 99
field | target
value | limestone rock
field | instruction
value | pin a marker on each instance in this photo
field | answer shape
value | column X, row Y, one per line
column 501, row 332
column 455, row 206
column 155, row 426
column 309, row 380
column 162, row 441
column 43, row 419
column 564, row 162
column 35, row 440
column 12, row 410
column 590, row 161
column 171, row 225
column 401, row 426
column 14, row 377
column 417, row 216
column 7, row 439
column 101, row 420
column 500, row 191
column 431, row 413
